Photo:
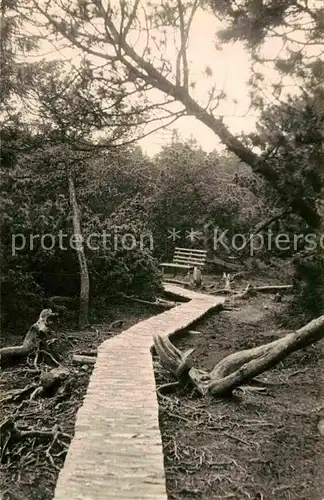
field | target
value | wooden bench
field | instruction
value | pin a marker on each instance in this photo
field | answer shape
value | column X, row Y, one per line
column 186, row 258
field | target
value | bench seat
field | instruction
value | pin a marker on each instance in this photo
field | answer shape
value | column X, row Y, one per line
column 187, row 258
column 174, row 264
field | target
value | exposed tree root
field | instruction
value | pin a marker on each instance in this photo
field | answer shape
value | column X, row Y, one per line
column 32, row 340
column 50, row 380
column 17, row 394
column 8, row 426
column 116, row 324
column 10, row 434
column 237, row 368
column 167, row 388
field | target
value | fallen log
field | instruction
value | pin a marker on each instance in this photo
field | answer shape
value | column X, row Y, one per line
column 33, row 338
column 251, row 289
column 177, row 282
column 240, row 367
column 158, row 302
column 79, row 359
column 223, row 264
column 91, row 353
column 272, row 288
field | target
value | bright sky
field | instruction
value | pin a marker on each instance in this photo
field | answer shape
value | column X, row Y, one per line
column 231, row 67
column 230, row 72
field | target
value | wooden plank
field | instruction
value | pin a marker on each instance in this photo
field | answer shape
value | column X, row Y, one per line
column 189, row 262
column 187, row 258
column 183, row 256
column 190, row 255
column 186, row 254
column 191, row 250
column 175, row 264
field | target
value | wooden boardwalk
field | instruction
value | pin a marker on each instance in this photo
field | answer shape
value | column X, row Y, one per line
column 116, row 452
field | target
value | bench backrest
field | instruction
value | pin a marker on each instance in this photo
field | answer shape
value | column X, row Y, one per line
column 190, row 256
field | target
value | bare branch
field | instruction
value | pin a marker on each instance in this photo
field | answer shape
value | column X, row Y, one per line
column 182, row 54
column 265, row 223
column 143, row 70
column 123, row 34
column 72, row 38
column 90, row 146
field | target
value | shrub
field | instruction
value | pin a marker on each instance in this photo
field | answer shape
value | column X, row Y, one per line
column 22, row 299
column 309, row 289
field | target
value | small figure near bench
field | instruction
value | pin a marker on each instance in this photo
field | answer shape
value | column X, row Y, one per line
column 190, row 259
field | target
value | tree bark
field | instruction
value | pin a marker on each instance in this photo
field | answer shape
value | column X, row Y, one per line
column 320, row 211
column 142, row 69
column 240, row 367
column 84, row 274
column 31, row 341
column 79, row 359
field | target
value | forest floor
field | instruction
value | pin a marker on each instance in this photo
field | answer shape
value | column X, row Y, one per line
column 30, row 467
column 255, row 445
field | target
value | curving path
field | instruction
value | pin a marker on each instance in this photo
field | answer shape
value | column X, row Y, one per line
column 116, row 452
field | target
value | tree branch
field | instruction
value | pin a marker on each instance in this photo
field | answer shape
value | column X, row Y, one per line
column 145, row 71
column 123, row 34
column 182, row 55
column 267, row 222
column 240, row 367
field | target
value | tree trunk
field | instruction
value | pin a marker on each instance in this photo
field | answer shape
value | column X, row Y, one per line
column 208, row 240
column 239, row 367
column 139, row 67
column 84, row 274
column 320, row 211
column 33, row 337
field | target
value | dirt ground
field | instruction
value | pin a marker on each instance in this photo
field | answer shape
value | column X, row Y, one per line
column 257, row 445
column 30, row 467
